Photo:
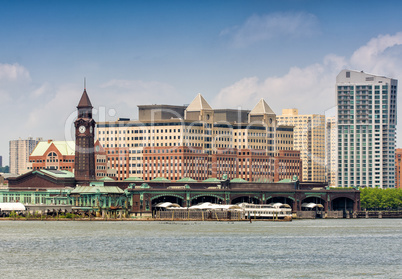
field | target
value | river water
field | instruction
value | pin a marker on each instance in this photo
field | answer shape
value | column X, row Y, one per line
column 346, row 248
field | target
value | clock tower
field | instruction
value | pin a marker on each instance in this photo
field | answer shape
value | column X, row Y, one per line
column 84, row 141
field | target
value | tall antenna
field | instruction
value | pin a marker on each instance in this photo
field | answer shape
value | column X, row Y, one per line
column 85, row 83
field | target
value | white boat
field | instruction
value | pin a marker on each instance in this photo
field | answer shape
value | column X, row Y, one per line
column 266, row 211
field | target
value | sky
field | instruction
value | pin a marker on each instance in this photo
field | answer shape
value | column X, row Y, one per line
column 133, row 53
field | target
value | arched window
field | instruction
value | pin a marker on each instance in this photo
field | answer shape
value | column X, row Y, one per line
column 52, row 157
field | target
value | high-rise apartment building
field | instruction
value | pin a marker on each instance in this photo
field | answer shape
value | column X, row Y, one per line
column 331, row 150
column 309, row 139
column 366, row 129
column 19, row 154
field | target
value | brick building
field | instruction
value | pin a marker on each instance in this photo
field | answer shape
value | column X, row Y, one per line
column 200, row 128
column 60, row 155
column 251, row 165
column 398, row 166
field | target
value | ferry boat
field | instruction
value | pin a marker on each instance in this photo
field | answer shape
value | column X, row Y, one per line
column 266, row 211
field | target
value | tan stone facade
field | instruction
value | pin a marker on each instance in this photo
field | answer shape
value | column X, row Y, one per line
column 309, row 139
column 196, row 126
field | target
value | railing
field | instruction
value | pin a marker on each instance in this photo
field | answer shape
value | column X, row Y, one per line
column 335, row 214
column 200, row 215
column 306, row 214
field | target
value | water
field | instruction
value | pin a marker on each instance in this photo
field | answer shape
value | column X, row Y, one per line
column 362, row 248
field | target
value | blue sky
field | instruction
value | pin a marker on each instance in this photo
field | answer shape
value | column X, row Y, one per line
column 147, row 52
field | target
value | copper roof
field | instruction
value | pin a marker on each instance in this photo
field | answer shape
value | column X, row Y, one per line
column 84, row 102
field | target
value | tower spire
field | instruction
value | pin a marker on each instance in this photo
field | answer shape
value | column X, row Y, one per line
column 85, row 83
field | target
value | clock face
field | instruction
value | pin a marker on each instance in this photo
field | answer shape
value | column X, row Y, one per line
column 81, row 129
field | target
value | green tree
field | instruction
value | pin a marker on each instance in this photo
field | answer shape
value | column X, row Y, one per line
column 5, row 169
column 376, row 198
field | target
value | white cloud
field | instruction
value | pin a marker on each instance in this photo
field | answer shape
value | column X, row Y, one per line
column 125, row 95
column 42, row 90
column 266, row 27
column 299, row 88
column 381, row 55
column 311, row 89
column 14, row 79
column 14, row 72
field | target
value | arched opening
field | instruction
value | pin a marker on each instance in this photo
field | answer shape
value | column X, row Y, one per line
column 285, row 200
column 211, row 199
column 172, row 199
column 342, row 204
column 246, row 199
column 316, row 200
column 313, row 207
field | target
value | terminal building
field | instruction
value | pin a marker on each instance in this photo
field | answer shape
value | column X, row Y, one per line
column 250, row 158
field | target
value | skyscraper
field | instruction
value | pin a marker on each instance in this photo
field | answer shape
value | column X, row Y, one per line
column 366, row 129
column 309, row 139
column 19, row 154
column 331, row 152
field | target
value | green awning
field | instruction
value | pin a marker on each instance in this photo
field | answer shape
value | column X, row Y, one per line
column 238, row 180
column 186, row 179
column 160, row 179
column 212, row 180
column 134, row 179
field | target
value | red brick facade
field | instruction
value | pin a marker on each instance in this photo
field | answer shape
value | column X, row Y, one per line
column 118, row 159
column 288, row 164
column 175, row 163
column 398, row 166
column 52, row 158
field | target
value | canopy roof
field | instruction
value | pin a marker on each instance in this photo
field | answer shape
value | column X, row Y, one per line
column 286, row 180
column 167, row 205
column 312, row 205
column 186, row 179
column 211, row 179
column 160, row 179
column 56, row 173
column 279, row 205
column 238, row 180
column 11, row 206
column 134, row 179
column 97, row 190
column 214, row 206
column 106, row 178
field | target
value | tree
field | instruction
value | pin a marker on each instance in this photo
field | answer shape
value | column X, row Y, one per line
column 5, row 169
column 376, row 198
